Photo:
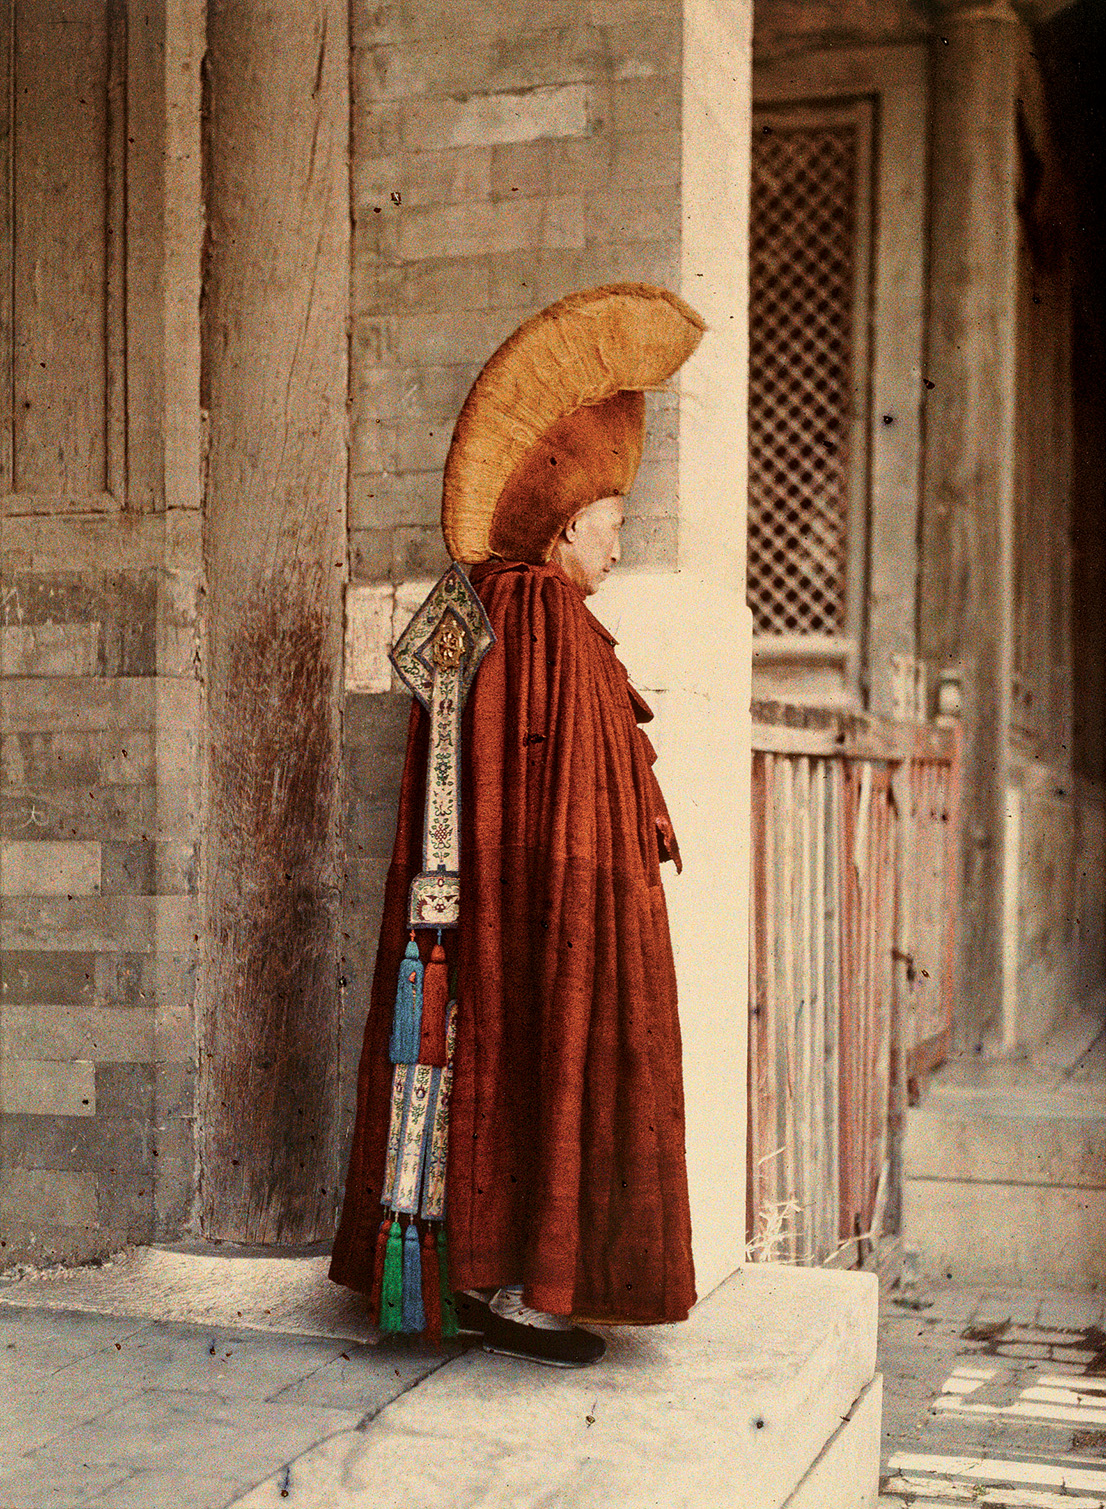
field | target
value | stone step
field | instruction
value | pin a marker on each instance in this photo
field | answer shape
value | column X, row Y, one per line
column 1007, row 1234
column 1006, row 1184
column 767, row 1398
column 773, row 1373
column 1015, row 1134
column 833, row 1481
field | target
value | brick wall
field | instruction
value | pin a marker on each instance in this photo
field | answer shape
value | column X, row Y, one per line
column 99, row 707
column 502, row 156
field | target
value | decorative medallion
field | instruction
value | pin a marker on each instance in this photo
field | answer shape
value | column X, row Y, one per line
column 437, row 656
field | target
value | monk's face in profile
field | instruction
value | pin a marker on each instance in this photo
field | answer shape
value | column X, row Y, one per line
column 588, row 546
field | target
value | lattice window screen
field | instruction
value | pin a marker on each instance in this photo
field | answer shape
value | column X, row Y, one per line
column 803, row 278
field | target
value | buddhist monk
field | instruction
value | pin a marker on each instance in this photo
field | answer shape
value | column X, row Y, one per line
column 566, row 1185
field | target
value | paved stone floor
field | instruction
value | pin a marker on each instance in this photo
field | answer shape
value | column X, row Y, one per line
column 995, row 1398
column 146, row 1415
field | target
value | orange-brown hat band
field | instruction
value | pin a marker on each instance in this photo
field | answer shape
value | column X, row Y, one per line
column 589, row 454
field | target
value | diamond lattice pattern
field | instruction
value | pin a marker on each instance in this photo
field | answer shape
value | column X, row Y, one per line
column 802, row 257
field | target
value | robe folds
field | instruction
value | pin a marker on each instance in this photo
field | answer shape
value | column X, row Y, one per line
column 566, row 1168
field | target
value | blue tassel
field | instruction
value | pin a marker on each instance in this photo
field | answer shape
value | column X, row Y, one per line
column 407, row 1019
column 391, row 1292
column 414, row 1319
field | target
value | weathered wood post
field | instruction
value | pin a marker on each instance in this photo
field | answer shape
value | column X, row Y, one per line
column 275, row 357
column 965, row 612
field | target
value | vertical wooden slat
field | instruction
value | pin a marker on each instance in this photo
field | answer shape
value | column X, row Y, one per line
column 805, row 1177
column 876, row 1102
column 919, row 871
column 757, row 915
column 752, row 1077
column 834, row 935
column 822, row 1239
column 881, row 982
column 927, row 939
column 906, row 887
column 936, row 885
column 786, row 939
column 901, row 836
column 841, row 968
column 847, row 982
column 862, row 1019
column 933, row 796
column 873, row 1128
column 866, row 824
column 862, row 1088
column 769, row 1158
column 859, row 1003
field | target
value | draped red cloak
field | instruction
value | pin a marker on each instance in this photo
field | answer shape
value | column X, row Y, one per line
column 566, row 1147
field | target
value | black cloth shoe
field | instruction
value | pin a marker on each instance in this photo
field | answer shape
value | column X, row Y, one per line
column 473, row 1313
column 572, row 1348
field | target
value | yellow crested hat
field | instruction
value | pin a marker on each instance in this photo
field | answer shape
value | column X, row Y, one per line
column 556, row 418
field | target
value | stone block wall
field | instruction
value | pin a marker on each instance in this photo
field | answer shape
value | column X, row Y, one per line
column 99, row 702
column 501, row 157
column 500, row 160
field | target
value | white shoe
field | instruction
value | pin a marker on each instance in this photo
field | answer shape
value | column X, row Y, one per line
column 507, row 1304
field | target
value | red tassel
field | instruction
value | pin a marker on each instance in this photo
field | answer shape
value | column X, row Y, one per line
column 435, row 999
column 378, row 1270
column 431, row 1287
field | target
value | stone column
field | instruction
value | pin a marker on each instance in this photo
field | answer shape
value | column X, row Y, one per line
column 965, row 609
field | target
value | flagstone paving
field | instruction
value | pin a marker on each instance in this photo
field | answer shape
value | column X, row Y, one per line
column 995, row 1398
column 139, row 1415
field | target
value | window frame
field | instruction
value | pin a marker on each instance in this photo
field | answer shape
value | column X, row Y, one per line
column 864, row 668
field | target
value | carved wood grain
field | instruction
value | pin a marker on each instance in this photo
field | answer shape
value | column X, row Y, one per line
column 275, row 304
column 59, row 153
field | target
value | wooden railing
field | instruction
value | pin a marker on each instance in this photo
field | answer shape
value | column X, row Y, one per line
column 851, row 968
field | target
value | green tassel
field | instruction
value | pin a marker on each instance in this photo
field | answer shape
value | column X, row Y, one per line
column 449, row 1314
column 391, row 1291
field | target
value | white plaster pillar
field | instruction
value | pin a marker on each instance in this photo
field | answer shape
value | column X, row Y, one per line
column 686, row 635
column 965, row 609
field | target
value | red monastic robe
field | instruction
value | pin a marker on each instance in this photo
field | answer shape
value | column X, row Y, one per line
column 566, row 1147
